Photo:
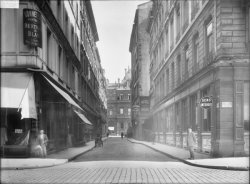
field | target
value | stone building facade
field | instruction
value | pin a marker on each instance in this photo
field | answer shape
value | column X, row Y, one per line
column 50, row 72
column 200, row 49
column 119, row 105
column 140, row 61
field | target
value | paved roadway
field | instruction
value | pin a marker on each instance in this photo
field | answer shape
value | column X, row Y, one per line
column 116, row 148
column 132, row 163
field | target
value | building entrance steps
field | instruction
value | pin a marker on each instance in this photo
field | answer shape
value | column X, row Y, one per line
column 201, row 159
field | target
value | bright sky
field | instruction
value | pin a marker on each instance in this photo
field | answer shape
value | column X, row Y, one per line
column 114, row 21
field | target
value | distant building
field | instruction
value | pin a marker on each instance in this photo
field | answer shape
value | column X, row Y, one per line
column 51, row 76
column 200, row 50
column 119, row 105
column 140, row 61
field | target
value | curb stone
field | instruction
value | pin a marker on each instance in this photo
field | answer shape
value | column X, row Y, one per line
column 193, row 164
column 51, row 165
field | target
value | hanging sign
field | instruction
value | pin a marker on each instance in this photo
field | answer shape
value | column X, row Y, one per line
column 206, row 102
column 32, row 32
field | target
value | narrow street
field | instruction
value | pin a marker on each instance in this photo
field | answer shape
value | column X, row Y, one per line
column 120, row 161
column 116, row 148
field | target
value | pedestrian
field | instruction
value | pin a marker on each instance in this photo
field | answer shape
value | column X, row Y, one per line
column 191, row 141
column 122, row 135
column 43, row 140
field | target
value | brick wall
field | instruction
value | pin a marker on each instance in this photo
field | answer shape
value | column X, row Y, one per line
column 231, row 35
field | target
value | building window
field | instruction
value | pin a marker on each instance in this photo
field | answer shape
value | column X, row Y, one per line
column 246, row 106
column 178, row 69
column 66, row 24
column 122, row 125
column 129, row 111
column 195, row 8
column 178, row 23
column 60, row 61
column 59, row 10
column 195, row 52
column 72, row 37
column 171, row 34
column 121, row 110
column 121, row 96
column 166, row 43
column 173, row 74
column 129, row 97
column 73, row 78
column 186, row 60
column 185, row 15
column 167, row 81
column 209, row 38
column 49, row 48
column 68, row 72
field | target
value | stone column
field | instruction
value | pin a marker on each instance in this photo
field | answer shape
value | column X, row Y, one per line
column 199, row 128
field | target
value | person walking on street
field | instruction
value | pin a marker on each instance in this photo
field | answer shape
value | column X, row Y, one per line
column 122, row 135
column 191, row 141
column 43, row 140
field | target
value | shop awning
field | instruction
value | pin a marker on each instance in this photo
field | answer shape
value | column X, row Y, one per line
column 85, row 120
column 64, row 94
column 18, row 91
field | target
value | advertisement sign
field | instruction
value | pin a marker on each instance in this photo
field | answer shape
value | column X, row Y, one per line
column 206, row 102
column 32, row 32
column 9, row 4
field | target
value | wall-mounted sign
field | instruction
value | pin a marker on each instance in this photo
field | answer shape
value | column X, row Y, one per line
column 226, row 104
column 9, row 4
column 206, row 102
column 32, row 32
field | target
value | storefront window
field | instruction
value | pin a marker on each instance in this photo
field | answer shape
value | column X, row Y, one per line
column 206, row 114
column 184, row 116
column 193, row 112
column 178, row 120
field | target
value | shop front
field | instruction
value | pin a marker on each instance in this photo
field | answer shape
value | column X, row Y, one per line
column 18, row 113
column 32, row 102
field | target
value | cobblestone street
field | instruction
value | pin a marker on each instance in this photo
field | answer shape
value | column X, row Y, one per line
column 116, row 164
column 124, row 172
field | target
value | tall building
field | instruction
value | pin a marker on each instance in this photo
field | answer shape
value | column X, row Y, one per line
column 50, row 75
column 119, row 105
column 199, row 74
column 140, row 61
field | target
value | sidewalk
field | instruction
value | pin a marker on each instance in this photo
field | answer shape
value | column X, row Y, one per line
column 201, row 159
column 51, row 160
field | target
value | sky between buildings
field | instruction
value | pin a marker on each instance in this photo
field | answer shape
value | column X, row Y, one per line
column 114, row 21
